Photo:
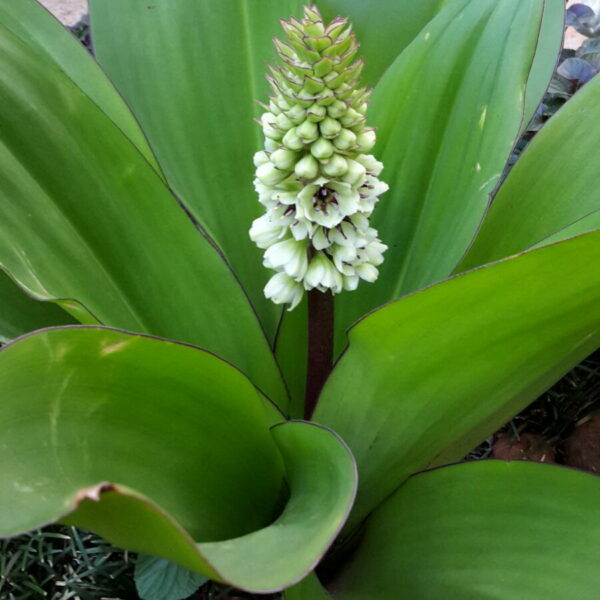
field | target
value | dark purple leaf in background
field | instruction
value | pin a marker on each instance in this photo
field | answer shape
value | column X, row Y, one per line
column 577, row 12
column 576, row 69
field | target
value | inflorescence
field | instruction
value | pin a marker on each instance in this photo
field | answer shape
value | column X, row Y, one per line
column 315, row 176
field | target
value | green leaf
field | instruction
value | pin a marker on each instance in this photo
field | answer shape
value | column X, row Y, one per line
column 587, row 223
column 547, row 54
column 383, row 28
column 486, row 529
column 308, row 589
column 176, row 443
column 191, row 71
column 448, row 112
column 20, row 314
column 291, row 351
column 159, row 579
column 322, row 477
column 31, row 22
column 87, row 405
column 552, row 191
column 83, row 216
column 440, row 370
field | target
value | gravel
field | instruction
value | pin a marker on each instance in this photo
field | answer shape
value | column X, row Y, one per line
column 67, row 11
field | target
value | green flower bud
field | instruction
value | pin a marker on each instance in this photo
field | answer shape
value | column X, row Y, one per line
column 296, row 114
column 326, row 97
column 284, row 159
column 307, row 167
column 278, row 103
column 337, row 109
column 268, row 174
column 351, row 118
column 335, row 167
column 291, row 140
column 365, row 141
column 271, row 145
column 270, row 128
column 355, row 173
column 322, row 149
column 316, row 113
column 308, row 131
column 272, row 132
column 330, row 127
column 283, row 122
column 345, row 140
column 260, row 158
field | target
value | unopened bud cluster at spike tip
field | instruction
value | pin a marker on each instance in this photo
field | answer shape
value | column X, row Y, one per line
column 315, row 176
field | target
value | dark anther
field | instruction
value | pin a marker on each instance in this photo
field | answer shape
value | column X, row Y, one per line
column 322, row 198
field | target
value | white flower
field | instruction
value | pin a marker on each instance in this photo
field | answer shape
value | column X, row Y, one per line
column 371, row 164
column 264, row 232
column 301, row 229
column 282, row 289
column 320, row 239
column 290, row 256
column 367, row 272
column 345, row 235
column 375, row 251
column 327, row 203
column 351, row 282
column 343, row 258
column 323, row 275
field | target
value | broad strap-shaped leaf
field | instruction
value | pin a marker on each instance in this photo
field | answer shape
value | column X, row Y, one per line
column 383, row 28
column 553, row 191
column 291, row 351
column 29, row 20
column 587, row 223
column 547, row 55
column 166, row 450
column 486, row 529
column 20, row 314
column 192, row 71
column 83, row 216
column 440, row 370
column 87, row 405
column 448, row 112
column 308, row 589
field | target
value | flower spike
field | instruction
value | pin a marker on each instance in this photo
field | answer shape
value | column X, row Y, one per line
column 314, row 176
